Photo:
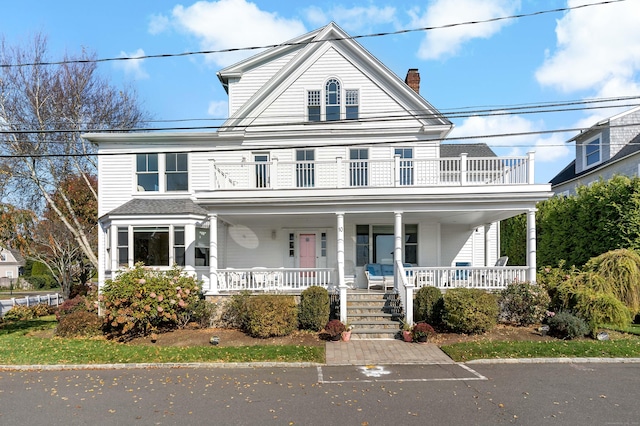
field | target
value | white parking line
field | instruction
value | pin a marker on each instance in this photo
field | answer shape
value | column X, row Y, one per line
column 376, row 372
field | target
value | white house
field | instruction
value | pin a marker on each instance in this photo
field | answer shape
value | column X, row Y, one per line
column 328, row 162
column 607, row 148
column 11, row 263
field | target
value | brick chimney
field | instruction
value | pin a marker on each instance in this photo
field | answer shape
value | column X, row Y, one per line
column 413, row 79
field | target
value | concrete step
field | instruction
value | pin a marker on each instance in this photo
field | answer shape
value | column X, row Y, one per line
column 373, row 334
column 375, row 324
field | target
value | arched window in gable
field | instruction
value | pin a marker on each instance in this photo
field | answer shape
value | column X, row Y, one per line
column 332, row 100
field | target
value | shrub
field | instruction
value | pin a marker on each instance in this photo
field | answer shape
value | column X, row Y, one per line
column 42, row 310
column 620, row 270
column 422, row 329
column 470, row 310
column 19, row 313
column 271, row 315
column 523, row 303
column 235, row 311
column 314, row 308
column 203, row 313
column 599, row 308
column 78, row 303
column 428, row 305
column 79, row 324
column 42, row 282
column 334, row 328
column 142, row 300
column 566, row 325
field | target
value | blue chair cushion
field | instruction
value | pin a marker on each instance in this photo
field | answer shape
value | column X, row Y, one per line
column 374, row 269
column 387, row 270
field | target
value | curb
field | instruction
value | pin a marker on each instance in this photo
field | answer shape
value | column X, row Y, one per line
column 554, row 361
column 169, row 365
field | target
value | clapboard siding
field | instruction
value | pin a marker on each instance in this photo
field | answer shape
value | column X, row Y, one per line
column 241, row 91
column 115, row 186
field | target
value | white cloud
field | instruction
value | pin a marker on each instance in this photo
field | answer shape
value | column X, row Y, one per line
column 356, row 20
column 598, row 49
column 158, row 24
column 218, row 109
column 547, row 148
column 226, row 24
column 441, row 43
column 132, row 67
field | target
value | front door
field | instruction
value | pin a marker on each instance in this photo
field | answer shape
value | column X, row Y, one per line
column 308, row 250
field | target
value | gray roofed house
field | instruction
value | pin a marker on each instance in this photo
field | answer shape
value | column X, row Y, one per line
column 610, row 147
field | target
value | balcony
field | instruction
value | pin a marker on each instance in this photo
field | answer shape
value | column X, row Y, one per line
column 389, row 173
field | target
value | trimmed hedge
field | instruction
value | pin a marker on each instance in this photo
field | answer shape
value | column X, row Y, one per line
column 470, row 310
column 523, row 303
column 314, row 308
column 271, row 315
column 428, row 305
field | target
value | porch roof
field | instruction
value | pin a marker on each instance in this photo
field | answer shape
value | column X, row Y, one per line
column 159, row 206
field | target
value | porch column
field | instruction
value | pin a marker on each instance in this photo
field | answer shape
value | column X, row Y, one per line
column 487, row 245
column 113, row 244
column 397, row 240
column 342, row 286
column 531, row 244
column 213, row 254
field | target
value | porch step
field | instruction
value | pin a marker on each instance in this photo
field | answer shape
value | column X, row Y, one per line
column 374, row 315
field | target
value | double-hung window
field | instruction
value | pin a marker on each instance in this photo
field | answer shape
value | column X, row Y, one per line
column 162, row 172
column 202, row 247
column 351, row 101
column 147, row 170
column 305, row 168
column 177, row 176
column 313, row 105
column 592, row 152
column 179, row 246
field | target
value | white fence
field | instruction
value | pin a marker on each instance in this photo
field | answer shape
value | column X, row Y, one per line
column 47, row 299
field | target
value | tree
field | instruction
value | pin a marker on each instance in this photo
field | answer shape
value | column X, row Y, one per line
column 43, row 111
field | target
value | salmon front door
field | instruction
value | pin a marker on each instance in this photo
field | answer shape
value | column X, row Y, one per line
column 308, row 252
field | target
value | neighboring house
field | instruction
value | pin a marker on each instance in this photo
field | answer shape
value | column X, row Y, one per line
column 328, row 162
column 11, row 264
column 609, row 147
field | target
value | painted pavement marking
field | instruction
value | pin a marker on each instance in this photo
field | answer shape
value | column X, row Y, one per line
column 397, row 373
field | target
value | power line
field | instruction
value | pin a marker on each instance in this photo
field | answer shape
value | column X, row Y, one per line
column 269, row 46
column 390, row 116
column 326, row 145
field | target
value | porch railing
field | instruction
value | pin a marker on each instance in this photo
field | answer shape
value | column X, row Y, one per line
column 395, row 172
column 489, row 278
column 274, row 279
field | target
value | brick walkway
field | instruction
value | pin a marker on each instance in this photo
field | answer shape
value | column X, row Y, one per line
column 363, row 352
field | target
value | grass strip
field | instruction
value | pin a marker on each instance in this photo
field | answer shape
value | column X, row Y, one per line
column 18, row 348
column 623, row 348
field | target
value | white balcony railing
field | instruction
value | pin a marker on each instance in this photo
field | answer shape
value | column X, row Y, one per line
column 274, row 279
column 490, row 278
column 395, row 172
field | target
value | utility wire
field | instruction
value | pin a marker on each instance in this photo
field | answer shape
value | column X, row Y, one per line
column 390, row 116
column 326, row 145
column 381, row 34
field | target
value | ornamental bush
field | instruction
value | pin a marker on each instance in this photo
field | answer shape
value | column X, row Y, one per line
column 523, row 303
column 79, row 323
column 235, row 311
column 20, row 313
column 314, row 308
column 428, row 305
column 470, row 310
column 565, row 325
column 271, row 315
column 142, row 300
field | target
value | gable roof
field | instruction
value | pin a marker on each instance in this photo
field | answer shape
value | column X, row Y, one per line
column 305, row 48
column 569, row 172
column 163, row 206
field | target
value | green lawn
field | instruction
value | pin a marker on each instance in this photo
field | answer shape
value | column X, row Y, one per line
column 628, row 347
column 18, row 348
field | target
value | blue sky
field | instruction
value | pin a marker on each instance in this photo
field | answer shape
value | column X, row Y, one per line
column 585, row 53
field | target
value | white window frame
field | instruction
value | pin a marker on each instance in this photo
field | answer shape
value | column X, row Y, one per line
column 585, row 155
column 161, row 173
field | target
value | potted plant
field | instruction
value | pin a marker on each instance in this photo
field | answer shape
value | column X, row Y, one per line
column 422, row 331
column 407, row 335
column 334, row 329
column 346, row 334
